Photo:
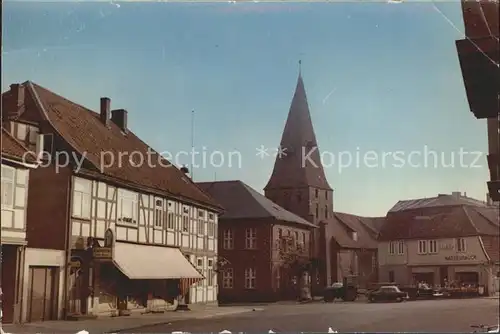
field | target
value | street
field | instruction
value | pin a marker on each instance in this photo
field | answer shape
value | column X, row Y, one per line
column 421, row 316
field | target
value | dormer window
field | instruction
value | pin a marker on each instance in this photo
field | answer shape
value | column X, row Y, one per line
column 354, row 236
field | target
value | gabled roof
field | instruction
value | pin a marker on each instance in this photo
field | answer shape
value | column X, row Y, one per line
column 442, row 200
column 241, row 201
column 84, row 132
column 342, row 225
column 12, row 149
column 290, row 171
column 440, row 222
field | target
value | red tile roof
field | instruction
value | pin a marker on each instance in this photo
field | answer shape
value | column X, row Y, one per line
column 342, row 225
column 13, row 149
column 82, row 129
column 241, row 201
column 440, row 222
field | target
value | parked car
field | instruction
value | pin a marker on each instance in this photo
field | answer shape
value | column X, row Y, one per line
column 347, row 290
column 387, row 293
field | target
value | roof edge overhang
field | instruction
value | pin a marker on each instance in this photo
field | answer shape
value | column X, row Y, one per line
column 132, row 186
column 17, row 161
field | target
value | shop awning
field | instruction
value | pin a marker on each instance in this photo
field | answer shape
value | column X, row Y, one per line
column 152, row 262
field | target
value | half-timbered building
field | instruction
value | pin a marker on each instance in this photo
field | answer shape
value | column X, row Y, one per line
column 18, row 261
column 136, row 232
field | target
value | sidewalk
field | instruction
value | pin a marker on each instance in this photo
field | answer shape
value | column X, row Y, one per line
column 117, row 324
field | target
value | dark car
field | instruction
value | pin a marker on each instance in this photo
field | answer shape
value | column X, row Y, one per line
column 387, row 293
column 338, row 290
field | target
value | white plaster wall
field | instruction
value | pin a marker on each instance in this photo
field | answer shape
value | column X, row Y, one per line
column 46, row 258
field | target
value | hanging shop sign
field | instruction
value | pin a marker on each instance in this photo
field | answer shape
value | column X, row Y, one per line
column 105, row 253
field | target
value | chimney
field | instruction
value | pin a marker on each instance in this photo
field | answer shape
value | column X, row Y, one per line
column 105, row 110
column 456, row 194
column 17, row 100
column 119, row 117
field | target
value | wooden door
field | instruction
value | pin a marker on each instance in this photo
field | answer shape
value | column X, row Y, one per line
column 42, row 294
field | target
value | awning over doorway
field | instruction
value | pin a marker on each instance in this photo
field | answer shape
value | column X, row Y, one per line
column 152, row 262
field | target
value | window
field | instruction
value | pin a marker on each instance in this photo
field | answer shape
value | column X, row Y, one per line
column 280, row 233
column 251, row 238
column 201, row 214
column 185, row 224
column 201, row 227
column 250, row 278
column 326, row 211
column 81, row 198
column 354, row 236
column 296, row 237
column 170, row 220
column 127, row 207
column 159, row 213
column 326, row 194
column 422, row 247
column 199, row 262
column 433, row 246
column 317, row 210
column 278, row 278
column 392, row 248
column 211, row 229
column 227, row 278
column 228, row 240
column 316, row 193
column 8, row 177
column 304, row 238
column 210, row 216
column 461, row 246
column 401, row 248
column 21, row 132
column 391, row 276
column 32, row 135
column 210, row 277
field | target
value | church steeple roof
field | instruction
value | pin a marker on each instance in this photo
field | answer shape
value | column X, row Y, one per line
column 300, row 165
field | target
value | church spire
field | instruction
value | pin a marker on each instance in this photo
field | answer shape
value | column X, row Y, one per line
column 300, row 164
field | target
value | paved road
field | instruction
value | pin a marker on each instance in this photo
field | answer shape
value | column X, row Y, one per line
column 422, row 316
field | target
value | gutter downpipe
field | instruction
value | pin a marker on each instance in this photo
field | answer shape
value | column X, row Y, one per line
column 66, row 246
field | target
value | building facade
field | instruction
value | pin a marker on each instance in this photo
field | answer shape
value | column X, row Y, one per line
column 352, row 248
column 121, row 222
column 298, row 183
column 445, row 240
column 16, row 167
column 261, row 246
column 479, row 56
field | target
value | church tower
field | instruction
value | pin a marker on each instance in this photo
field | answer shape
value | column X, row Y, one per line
column 298, row 182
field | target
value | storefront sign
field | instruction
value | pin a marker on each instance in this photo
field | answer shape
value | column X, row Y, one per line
column 102, row 253
column 105, row 253
column 460, row 258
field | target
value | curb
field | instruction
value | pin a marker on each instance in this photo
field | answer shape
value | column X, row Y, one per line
column 166, row 322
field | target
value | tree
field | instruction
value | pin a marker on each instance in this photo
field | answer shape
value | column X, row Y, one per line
column 296, row 260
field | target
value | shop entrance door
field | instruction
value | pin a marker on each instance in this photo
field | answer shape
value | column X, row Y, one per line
column 42, row 293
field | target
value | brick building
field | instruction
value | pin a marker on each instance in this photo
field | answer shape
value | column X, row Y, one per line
column 444, row 238
column 252, row 235
column 125, row 234
column 298, row 184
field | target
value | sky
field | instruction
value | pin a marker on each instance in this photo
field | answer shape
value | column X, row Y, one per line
column 382, row 80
